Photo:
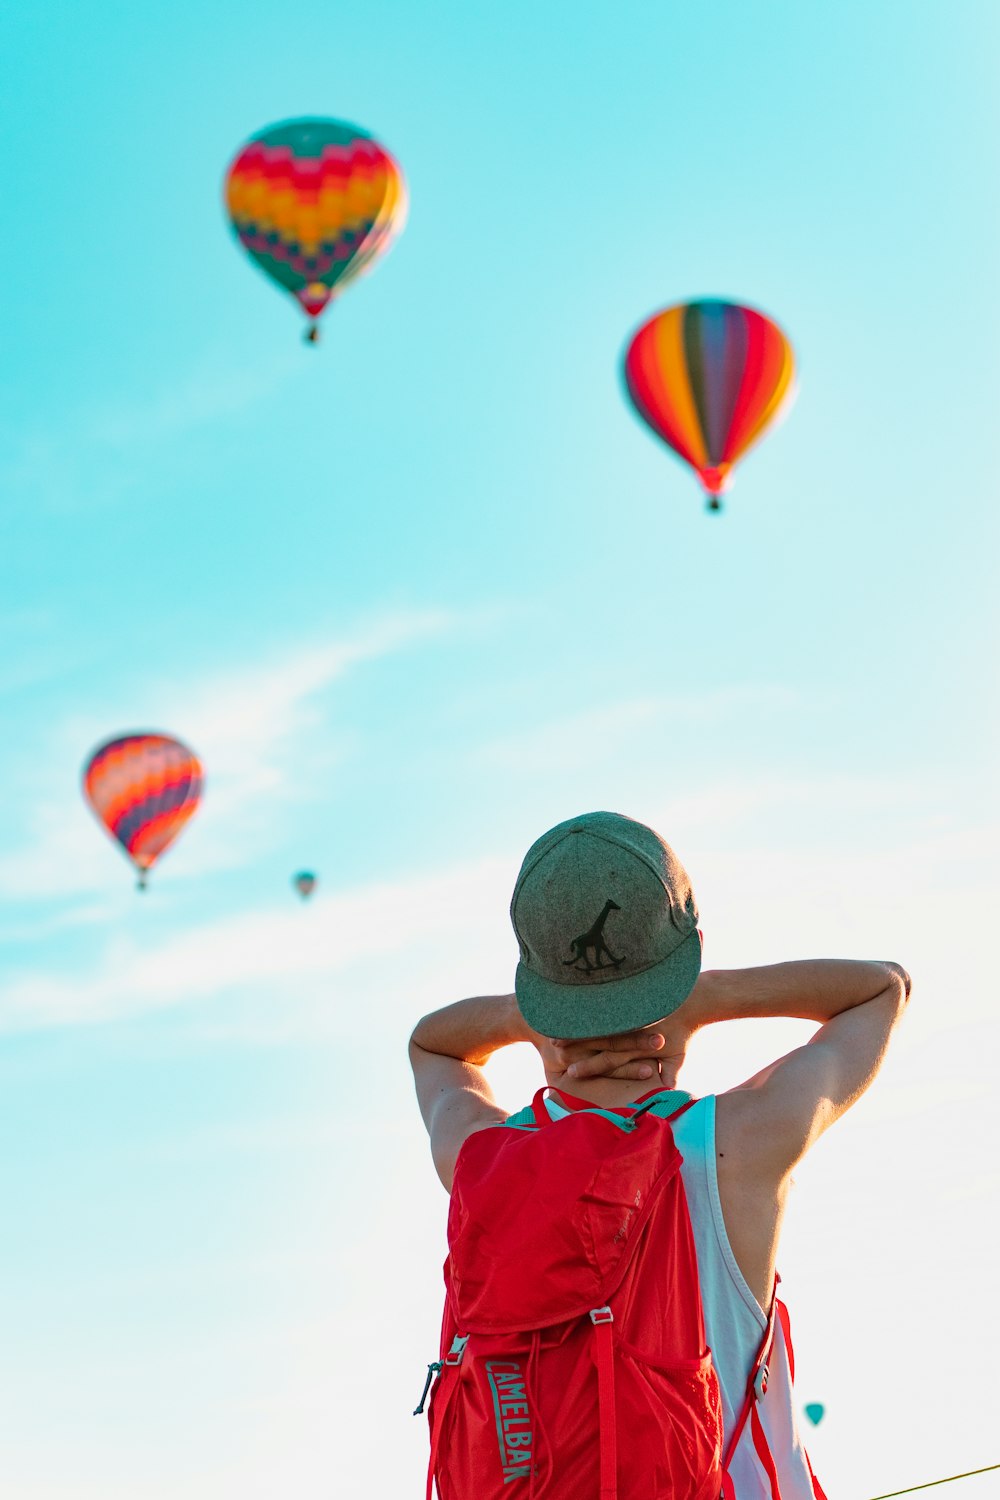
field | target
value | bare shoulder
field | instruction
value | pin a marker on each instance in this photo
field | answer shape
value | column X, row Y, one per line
column 455, row 1101
column 769, row 1122
column 460, row 1112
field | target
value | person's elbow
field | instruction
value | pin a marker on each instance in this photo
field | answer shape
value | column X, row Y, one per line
column 899, row 985
column 415, row 1051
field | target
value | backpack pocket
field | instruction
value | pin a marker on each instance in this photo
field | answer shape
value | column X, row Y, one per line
column 670, row 1427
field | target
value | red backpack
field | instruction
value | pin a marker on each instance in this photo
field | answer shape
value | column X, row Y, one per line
column 573, row 1361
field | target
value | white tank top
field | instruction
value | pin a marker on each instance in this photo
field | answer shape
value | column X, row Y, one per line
column 734, row 1322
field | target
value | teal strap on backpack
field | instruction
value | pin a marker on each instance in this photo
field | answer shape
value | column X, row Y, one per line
column 663, row 1104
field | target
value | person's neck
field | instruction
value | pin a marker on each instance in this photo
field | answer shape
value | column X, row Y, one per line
column 610, row 1093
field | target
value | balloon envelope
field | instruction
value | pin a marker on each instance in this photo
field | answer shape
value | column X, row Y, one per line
column 305, row 883
column 143, row 788
column 314, row 203
column 814, row 1411
column 710, row 378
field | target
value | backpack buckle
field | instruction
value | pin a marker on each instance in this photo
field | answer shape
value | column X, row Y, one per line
column 601, row 1315
column 454, row 1355
column 760, row 1382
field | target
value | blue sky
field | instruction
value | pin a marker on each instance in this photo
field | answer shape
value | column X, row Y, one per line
column 418, row 594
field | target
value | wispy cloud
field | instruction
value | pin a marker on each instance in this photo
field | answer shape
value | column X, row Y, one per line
column 288, row 1133
column 810, row 801
column 258, row 726
column 59, row 854
column 577, row 740
column 276, row 950
column 390, row 949
column 48, row 924
column 248, row 724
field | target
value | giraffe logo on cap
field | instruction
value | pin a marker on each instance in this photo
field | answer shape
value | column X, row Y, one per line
column 592, row 942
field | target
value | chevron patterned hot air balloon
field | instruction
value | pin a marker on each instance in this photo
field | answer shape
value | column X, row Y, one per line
column 143, row 788
column 710, row 378
column 315, row 203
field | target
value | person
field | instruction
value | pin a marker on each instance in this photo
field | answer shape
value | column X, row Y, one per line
column 610, row 990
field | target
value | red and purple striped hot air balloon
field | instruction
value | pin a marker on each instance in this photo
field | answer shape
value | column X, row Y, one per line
column 143, row 788
column 710, row 378
column 315, row 203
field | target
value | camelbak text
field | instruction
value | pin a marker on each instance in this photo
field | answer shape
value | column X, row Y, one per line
column 510, row 1406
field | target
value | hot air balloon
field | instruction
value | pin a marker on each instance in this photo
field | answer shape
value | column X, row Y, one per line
column 143, row 788
column 315, row 203
column 710, row 378
column 815, row 1412
column 305, row 883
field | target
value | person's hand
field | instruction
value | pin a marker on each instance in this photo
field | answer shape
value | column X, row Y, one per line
column 654, row 1051
column 632, row 1054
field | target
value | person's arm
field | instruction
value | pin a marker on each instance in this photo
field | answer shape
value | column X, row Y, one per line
column 792, row 1101
column 788, row 1105
column 812, row 989
column 448, row 1049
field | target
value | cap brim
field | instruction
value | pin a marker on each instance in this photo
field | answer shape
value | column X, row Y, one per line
column 581, row 1010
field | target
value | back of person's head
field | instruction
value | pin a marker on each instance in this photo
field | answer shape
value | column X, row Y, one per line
column 607, row 926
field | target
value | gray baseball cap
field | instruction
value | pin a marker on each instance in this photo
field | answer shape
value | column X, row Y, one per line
column 607, row 926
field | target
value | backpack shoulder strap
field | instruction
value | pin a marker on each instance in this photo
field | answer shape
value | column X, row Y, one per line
column 621, row 1120
column 538, row 1109
column 655, row 1103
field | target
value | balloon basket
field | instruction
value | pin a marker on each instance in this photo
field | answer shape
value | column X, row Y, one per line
column 714, row 502
column 311, row 335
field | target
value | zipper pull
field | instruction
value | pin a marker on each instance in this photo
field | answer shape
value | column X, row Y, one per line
column 432, row 1370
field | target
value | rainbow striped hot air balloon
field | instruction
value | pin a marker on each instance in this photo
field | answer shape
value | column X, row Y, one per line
column 143, row 788
column 315, row 203
column 710, row 378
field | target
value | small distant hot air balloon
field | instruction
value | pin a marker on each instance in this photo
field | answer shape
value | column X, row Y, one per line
column 305, row 883
column 315, row 203
column 143, row 788
column 710, row 378
column 815, row 1412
